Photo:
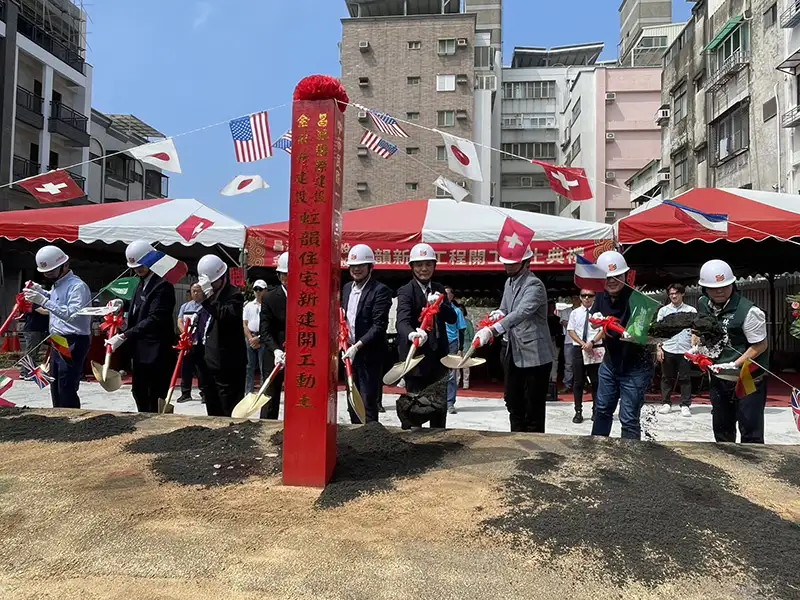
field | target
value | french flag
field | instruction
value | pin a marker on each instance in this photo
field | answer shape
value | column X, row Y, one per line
column 698, row 219
column 166, row 267
column 588, row 276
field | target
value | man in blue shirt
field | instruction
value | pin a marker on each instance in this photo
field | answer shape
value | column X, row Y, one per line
column 455, row 337
column 68, row 296
column 193, row 360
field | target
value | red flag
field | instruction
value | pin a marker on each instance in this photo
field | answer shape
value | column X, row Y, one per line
column 236, row 277
column 570, row 182
column 514, row 240
column 57, row 186
column 193, row 227
column 630, row 277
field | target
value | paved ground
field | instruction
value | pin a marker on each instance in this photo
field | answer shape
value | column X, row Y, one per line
column 488, row 414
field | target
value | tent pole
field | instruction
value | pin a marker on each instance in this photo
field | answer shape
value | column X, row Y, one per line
column 773, row 320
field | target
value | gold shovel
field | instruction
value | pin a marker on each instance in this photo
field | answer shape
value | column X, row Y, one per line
column 252, row 403
column 455, row 362
column 109, row 379
column 354, row 396
column 399, row 370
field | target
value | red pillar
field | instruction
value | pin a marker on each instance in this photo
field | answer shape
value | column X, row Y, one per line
column 315, row 219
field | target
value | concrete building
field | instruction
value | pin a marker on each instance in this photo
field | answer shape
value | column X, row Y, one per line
column 120, row 177
column 610, row 132
column 425, row 62
column 719, row 107
column 787, row 14
column 535, row 91
column 648, row 51
column 634, row 16
column 46, row 92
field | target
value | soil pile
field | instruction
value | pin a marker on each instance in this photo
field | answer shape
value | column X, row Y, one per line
column 32, row 427
column 774, row 460
column 706, row 327
column 370, row 457
column 610, row 499
column 208, row 457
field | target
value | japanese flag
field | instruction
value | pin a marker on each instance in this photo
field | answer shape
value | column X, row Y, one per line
column 456, row 191
column 160, row 154
column 461, row 157
column 244, row 184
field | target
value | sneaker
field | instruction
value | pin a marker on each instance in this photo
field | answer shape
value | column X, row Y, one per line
column 452, row 410
column 578, row 418
column 686, row 411
column 381, row 409
column 665, row 409
column 184, row 398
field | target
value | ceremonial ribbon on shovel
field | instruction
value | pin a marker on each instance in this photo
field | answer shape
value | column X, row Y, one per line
column 109, row 379
column 609, row 324
column 183, row 347
column 21, row 306
column 399, row 370
column 455, row 362
column 353, row 395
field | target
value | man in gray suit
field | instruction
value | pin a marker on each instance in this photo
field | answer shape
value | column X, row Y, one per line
column 527, row 349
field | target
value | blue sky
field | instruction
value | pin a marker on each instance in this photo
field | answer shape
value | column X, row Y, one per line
column 183, row 65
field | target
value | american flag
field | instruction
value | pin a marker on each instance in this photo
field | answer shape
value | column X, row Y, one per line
column 251, row 138
column 36, row 374
column 387, row 124
column 378, row 145
column 796, row 407
column 284, row 142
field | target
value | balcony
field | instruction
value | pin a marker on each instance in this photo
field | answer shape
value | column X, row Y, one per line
column 156, row 185
column 40, row 37
column 69, row 123
column 791, row 118
column 734, row 63
column 24, row 168
column 29, row 108
column 791, row 16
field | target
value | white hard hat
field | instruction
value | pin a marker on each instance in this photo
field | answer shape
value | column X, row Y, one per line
column 260, row 283
column 49, row 258
column 716, row 274
column 526, row 256
column 360, row 254
column 421, row 253
column 212, row 266
column 613, row 263
column 136, row 251
column 283, row 263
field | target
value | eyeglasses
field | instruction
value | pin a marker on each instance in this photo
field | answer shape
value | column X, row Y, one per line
column 587, row 295
column 255, row 289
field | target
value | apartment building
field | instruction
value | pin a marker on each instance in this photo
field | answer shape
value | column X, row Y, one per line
column 430, row 63
column 634, row 17
column 45, row 97
column 117, row 177
column 719, row 113
column 535, row 90
column 649, row 49
column 786, row 13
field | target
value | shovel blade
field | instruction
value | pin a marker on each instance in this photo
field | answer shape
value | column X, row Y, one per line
column 397, row 372
column 164, row 408
column 357, row 402
column 452, row 361
column 110, row 381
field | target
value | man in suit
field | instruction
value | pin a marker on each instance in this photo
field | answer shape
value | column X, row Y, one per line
column 149, row 333
column 225, row 358
column 366, row 303
column 272, row 333
column 412, row 298
column 528, row 351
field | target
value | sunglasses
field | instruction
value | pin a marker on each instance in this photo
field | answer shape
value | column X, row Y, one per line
column 255, row 289
column 587, row 295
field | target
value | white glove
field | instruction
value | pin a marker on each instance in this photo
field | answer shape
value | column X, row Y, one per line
column 432, row 298
column 34, row 296
column 419, row 334
column 351, row 352
column 115, row 341
column 483, row 337
column 205, row 285
column 496, row 315
column 280, row 357
column 32, row 285
column 723, row 367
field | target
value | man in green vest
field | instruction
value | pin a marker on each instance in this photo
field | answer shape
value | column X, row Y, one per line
column 736, row 402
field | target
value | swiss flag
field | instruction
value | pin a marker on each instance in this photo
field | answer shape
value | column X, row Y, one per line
column 514, row 240
column 192, row 227
column 161, row 154
column 570, row 182
column 56, row 186
column 462, row 157
column 243, row 184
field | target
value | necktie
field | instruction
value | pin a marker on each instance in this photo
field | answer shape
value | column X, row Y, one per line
column 586, row 327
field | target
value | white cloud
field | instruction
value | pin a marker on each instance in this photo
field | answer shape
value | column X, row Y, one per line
column 202, row 13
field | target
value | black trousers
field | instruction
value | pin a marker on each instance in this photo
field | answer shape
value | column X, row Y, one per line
column 150, row 382
column 675, row 366
column 191, row 368
column 526, row 395
column 271, row 409
column 223, row 390
column 727, row 411
column 580, row 372
column 368, row 378
column 415, row 385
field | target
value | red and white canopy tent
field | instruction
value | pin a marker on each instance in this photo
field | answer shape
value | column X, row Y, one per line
column 186, row 222
column 463, row 234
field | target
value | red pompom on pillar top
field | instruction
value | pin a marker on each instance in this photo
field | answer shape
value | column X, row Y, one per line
column 322, row 87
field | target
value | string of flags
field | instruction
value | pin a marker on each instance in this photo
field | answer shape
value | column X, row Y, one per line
column 378, row 145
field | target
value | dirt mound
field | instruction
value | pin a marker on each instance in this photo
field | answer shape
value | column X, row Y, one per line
column 208, row 457
column 32, row 427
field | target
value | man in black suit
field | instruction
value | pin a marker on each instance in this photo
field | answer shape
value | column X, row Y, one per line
column 272, row 331
column 412, row 298
column 225, row 358
column 149, row 333
column 366, row 304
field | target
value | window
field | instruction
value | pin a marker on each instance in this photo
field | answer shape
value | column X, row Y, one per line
column 771, row 16
column 412, row 150
column 484, row 57
column 445, row 83
column 680, row 171
column 441, row 153
column 413, row 81
column 414, row 45
column 735, row 43
column 529, row 89
column 116, row 168
column 529, row 121
column 769, row 109
column 440, row 193
column 412, row 116
column 412, row 187
column 53, row 164
column 445, row 118
column 732, row 133
column 658, row 41
column 447, row 47
column 576, row 147
column 485, row 82
column 523, row 181
column 530, row 150
column 679, row 103
column 576, row 111
column 700, row 82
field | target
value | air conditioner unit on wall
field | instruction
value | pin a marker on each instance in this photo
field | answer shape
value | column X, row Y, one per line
column 362, row 115
column 610, row 137
column 363, row 46
column 611, row 96
column 363, row 81
column 663, row 177
column 462, row 79
column 611, row 214
column 462, row 41
column 610, row 175
column 664, row 113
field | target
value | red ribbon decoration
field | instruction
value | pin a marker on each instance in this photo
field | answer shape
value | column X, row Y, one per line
column 185, row 339
column 429, row 312
column 344, row 331
column 23, row 306
column 608, row 324
column 113, row 322
column 700, row 360
column 489, row 322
